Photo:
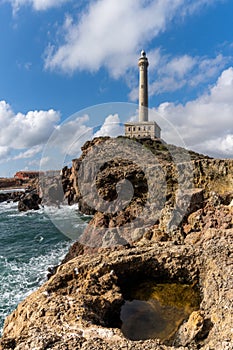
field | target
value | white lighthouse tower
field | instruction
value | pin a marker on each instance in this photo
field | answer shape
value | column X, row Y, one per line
column 143, row 87
column 143, row 128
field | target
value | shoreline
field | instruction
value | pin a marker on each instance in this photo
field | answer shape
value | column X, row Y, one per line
column 12, row 190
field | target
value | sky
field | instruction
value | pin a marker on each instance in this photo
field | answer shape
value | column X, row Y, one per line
column 59, row 58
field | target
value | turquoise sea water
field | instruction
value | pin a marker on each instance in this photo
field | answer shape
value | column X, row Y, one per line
column 29, row 244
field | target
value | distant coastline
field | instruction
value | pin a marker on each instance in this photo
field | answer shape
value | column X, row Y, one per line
column 11, row 183
column 16, row 183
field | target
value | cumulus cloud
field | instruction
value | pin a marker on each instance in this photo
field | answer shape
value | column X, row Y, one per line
column 110, row 32
column 45, row 162
column 26, row 138
column 65, row 142
column 219, row 146
column 20, row 130
column 38, row 5
column 29, row 153
column 111, row 127
column 68, row 138
column 205, row 124
column 71, row 135
column 4, row 152
column 173, row 73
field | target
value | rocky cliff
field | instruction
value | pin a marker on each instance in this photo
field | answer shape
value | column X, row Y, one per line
column 178, row 166
column 131, row 186
column 162, row 216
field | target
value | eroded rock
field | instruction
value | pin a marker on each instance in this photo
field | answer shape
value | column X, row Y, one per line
column 81, row 303
column 29, row 201
column 187, row 239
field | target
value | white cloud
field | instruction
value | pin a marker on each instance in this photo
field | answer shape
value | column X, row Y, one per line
column 24, row 138
column 167, row 74
column 180, row 65
column 38, row 5
column 207, row 68
column 45, row 162
column 21, row 131
column 29, row 153
column 65, row 142
column 205, row 124
column 109, row 33
column 71, row 135
column 68, row 138
column 111, row 127
column 220, row 146
column 4, row 152
column 193, row 6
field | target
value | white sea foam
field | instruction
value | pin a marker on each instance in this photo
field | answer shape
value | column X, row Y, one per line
column 26, row 213
column 21, row 279
column 67, row 219
column 13, row 190
column 20, row 275
column 65, row 209
column 5, row 206
column 62, row 212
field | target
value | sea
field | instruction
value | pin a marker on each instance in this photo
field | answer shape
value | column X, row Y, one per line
column 30, row 243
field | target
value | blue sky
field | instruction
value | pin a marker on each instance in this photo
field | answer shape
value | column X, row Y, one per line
column 58, row 57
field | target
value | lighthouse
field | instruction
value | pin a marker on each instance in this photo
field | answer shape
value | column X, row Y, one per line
column 143, row 128
column 143, row 87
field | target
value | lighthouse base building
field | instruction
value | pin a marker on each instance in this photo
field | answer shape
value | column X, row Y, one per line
column 143, row 130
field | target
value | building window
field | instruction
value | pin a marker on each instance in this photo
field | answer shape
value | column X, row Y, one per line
column 139, row 128
column 133, row 129
column 129, row 129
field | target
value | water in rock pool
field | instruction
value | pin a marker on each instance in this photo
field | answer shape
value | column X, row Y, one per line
column 29, row 244
column 157, row 310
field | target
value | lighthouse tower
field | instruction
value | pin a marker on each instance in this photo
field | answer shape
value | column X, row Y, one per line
column 143, row 128
column 143, row 87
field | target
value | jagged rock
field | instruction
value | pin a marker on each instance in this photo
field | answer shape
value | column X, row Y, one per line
column 4, row 197
column 184, row 235
column 67, row 185
column 10, row 196
column 190, row 329
column 51, row 188
column 80, row 305
column 180, row 181
column 219, row 217
column 29, row 201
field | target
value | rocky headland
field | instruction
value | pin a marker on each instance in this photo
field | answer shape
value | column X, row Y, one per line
column 161, row 235
column 25, row 192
